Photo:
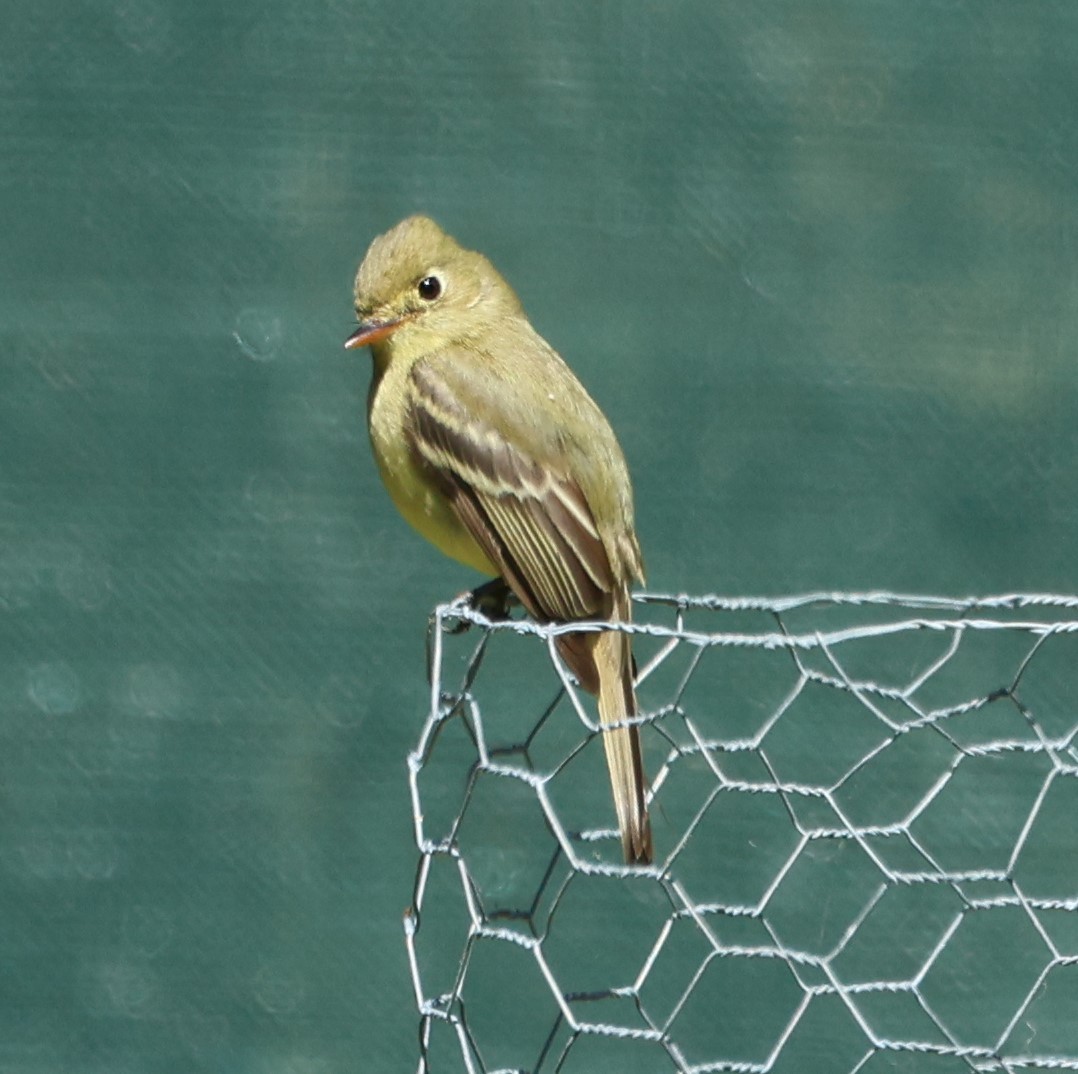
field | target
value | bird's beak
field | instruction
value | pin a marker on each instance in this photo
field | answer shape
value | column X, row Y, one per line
column 372, row 332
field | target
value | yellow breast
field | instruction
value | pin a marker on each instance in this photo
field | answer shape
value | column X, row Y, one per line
column 417, row 498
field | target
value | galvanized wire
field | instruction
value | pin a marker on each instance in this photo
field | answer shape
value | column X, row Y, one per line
column 867, row 858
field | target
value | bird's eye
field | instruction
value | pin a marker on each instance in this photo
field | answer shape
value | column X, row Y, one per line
column 429, row 288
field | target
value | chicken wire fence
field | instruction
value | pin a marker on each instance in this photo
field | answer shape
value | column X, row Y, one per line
column 864, row 809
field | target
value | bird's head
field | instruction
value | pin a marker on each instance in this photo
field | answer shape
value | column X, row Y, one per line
column 420, row 289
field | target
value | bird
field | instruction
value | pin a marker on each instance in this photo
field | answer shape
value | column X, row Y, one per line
column 494, row 451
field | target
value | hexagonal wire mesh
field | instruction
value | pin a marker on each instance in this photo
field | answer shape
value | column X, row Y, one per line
column 866, row 855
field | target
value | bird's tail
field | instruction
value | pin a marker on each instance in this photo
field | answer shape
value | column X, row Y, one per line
column 617, row 703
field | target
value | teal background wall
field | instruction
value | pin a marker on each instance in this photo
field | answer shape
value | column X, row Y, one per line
column 816, row 261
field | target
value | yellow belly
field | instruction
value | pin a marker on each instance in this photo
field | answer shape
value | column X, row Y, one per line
column 428, row 512
column 421, row 503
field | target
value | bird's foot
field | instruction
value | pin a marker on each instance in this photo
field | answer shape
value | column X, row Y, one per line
column 493, row 599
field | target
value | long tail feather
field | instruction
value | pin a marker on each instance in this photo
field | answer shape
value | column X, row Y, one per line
column 617, row 702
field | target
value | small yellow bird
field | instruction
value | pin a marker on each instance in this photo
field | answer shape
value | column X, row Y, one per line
column 492, row 449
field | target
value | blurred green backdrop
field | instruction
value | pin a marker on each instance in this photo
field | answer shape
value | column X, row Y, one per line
column 816, row 261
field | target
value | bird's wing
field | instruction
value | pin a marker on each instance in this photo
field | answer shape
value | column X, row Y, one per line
column 531, row 520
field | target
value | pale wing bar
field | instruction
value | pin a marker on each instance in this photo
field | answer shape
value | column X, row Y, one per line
column 535, row 525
